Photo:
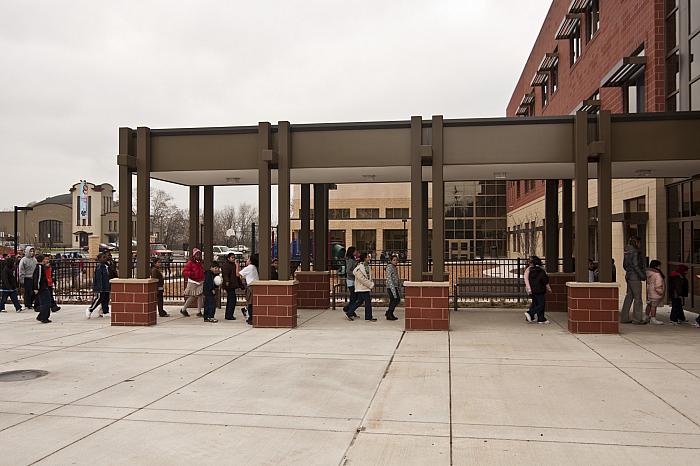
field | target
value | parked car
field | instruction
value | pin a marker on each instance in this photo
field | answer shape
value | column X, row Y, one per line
column 162, row 252
column 220, row 250
column 220, row 258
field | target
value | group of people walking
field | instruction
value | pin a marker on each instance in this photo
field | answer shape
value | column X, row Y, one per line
column 34, row 275
column 358, row 279
column 636, row 273
column 201, row 286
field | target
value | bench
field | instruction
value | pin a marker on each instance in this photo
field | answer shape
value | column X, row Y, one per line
column 489, row 287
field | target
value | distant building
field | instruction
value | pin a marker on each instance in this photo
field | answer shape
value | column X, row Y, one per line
column 56, row 221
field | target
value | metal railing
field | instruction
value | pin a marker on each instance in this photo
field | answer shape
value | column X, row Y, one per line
column 497, row 281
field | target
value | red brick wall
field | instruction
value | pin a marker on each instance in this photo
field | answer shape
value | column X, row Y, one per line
column 593, row 309
column 427, row 307
column 624, row 26
column 314, row 290
column 133, row 304
column 274, row 305
column 517, row 199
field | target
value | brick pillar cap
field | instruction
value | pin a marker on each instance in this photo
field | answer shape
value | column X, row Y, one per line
column 561, row 274
column 592, row 285
column 307, row 272
column 426, row 284
column 274, row 282
column 134, row 280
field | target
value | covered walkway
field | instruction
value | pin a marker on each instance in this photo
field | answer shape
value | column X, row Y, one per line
column 493, row 390
column 576, row 147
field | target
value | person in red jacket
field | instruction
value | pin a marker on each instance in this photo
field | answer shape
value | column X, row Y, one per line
column 194, row 274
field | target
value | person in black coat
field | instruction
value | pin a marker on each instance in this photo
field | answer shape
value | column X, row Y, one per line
column 101, row 287
column 677, row 290
column 8, row 283
column 41, row 289
column 210, row 288
column 231, row 283
column 539, row 285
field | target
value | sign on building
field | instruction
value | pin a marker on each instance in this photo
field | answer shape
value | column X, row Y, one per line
column 83, row 200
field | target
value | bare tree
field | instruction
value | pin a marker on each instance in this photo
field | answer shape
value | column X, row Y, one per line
column 224, row 220
column 167, row 220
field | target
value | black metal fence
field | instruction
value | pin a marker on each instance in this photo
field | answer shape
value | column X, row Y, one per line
column 496, row 281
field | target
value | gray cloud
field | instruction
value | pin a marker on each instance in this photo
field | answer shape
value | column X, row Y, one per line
column 73, row 72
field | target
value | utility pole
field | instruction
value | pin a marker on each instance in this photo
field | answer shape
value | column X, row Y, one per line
column 17, row 209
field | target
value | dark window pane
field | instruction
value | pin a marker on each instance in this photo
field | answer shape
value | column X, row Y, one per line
column 674, row 201
column 696, row 243
column 696, row 197
column 672, row 74
column 672, row 31
column 687, row 255
column 695, row 95
column 674, row 242
column 685, row 203
column 694, row 51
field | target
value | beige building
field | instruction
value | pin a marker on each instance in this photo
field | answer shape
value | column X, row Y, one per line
column 373, row 216
column 632, row 201
column 56, row 222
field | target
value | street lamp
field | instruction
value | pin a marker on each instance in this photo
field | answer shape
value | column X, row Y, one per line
column 17, row 209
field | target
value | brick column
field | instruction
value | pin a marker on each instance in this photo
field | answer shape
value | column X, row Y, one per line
column 314, row 290
column 275, row 303
column 427, row 305
column 593, row 307
column 557, row 300
column 134, row 301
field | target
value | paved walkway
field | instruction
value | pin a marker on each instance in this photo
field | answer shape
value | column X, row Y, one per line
column 493, row 391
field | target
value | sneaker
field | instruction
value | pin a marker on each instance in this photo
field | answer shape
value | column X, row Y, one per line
column 244, row 311
column 544, row 322
column 211, row 320
column 18, row 310
column 528, row 317
column 184, row 313
column 56, row 309
column 230, row 318
column 640, row 322
column 349, row 317
column 88, row 313
column 3, row 310
column 354, row 314
column 373, row 319
column 655, row 321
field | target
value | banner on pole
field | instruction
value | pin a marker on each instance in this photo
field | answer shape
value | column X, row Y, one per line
column 83, row 200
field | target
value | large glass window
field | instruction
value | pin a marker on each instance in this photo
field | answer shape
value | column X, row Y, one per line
column 696, row 198
column 365, row 240
column 696, row 242
column 673, row 201
column 687, row 242
column 638, row 204
column 675, row 235
column 336, row 237
column 554, row 77
column 337, row 214
column 51, row 231
column 367, row 213
column 395, row 241
column 685, row 199
column 397, row 212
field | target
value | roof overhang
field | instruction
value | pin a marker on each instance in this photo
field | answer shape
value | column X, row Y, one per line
column 590, row 105
column 549, row 61
column 579, row 6
column 634, row 218
column 540, row 79
column 568, row 27
column 623, row 71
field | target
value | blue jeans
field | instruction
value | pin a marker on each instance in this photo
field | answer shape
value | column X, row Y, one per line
column 12, row 294
column 351, row 297
column 209, row 306
column 394, row 300
column 677, row 314
column 537, row 307
column 361, row 297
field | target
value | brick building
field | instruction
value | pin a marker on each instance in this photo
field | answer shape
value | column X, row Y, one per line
column 626, row 57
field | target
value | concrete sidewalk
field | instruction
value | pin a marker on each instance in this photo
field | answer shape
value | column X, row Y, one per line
column 494, row 390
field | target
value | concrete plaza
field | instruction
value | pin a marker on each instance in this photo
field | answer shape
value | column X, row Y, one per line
column 494, row 390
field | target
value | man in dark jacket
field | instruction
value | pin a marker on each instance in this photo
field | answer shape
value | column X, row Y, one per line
column 677, row 290
column 8, row 283
column 539, row 282
column 210, row 287
column 229, row 273
column 634, row 275
column 41, row 282
column 101, row 287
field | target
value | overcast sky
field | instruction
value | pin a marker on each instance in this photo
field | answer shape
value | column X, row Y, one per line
column 72, row 72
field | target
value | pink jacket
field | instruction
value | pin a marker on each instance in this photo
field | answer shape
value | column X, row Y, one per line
column 655, row 284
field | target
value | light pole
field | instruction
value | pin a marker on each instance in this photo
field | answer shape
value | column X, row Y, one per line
column 17, row 209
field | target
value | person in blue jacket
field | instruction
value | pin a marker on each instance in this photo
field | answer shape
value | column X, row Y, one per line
column 101, row 288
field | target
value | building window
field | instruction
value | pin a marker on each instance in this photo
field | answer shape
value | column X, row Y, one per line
column 338, row 214
column 637, row 204
column 634, row 95
column 367, row 213
column 592, row 19
column 365, row 240
column 694, row 51
column 575, row 45
column 395, row 241
column 51, row 231
column 554, row 77
column 336, row 237
column 397, row 212
column 545, row 92
column 110, row 226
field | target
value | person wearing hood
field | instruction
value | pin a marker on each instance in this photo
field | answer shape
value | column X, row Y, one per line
column 25, row 274
column 193, row 272
column 677, row 291
column 656, row 288
column 634, row 276
column 8, row 282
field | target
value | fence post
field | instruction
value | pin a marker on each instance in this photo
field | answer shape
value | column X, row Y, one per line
column 518, row 269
